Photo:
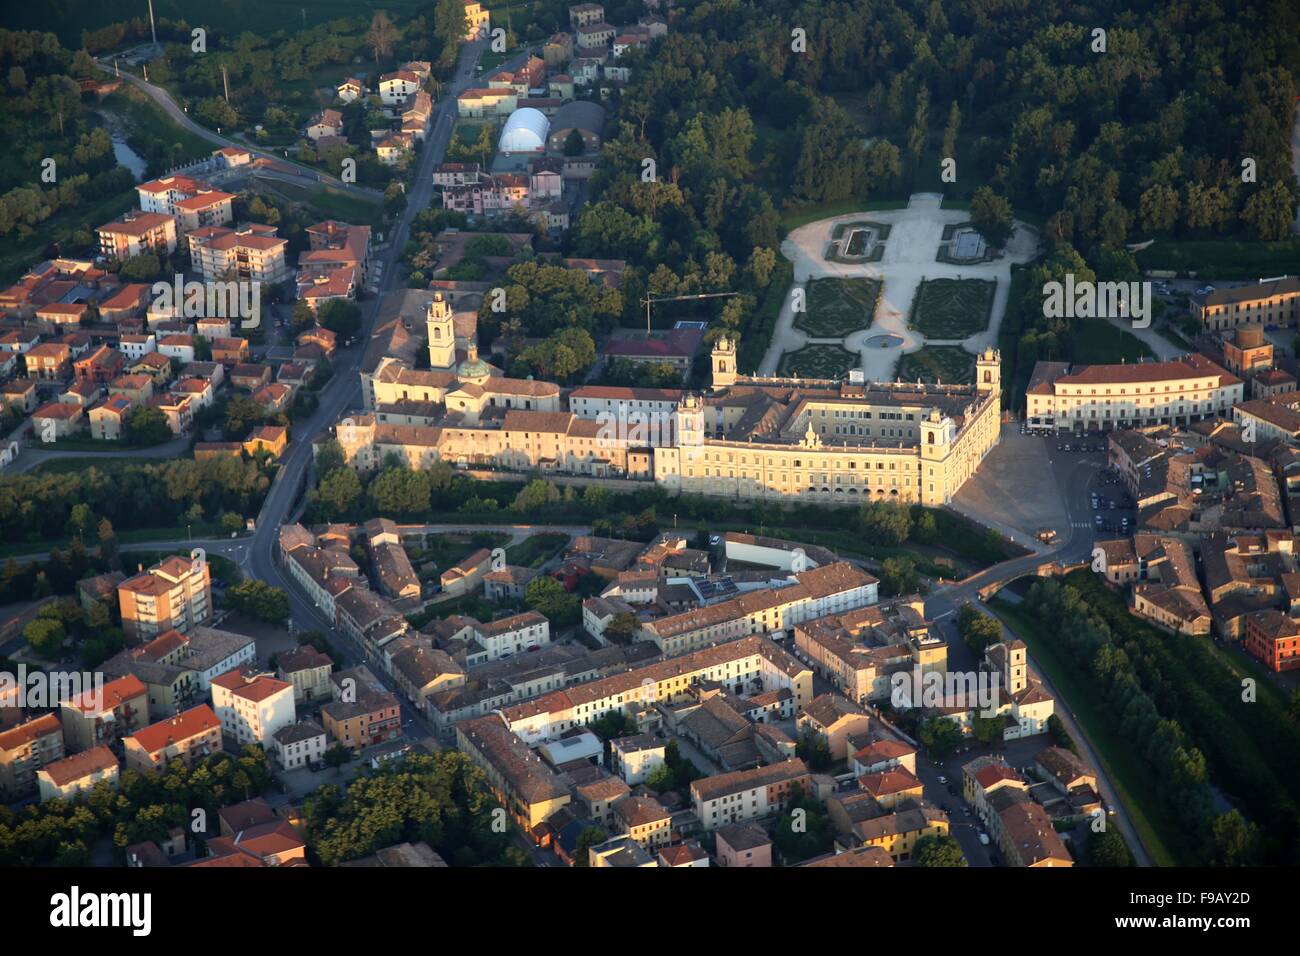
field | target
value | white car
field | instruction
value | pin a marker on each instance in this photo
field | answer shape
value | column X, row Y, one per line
column 984, row 838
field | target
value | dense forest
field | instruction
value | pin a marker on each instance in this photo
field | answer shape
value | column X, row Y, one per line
column 1100, row 139
column 44, row 119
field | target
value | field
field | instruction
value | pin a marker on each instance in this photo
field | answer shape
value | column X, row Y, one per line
column 1223, row 258
column 818, row 361
column 952, row 308
column 949, row 364
column 837, row 307
column 537, row 549
column 1097, row 342
column 801, row 215
column 327, row 202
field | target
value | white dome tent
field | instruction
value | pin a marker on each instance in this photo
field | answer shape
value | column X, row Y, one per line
column 525, row 132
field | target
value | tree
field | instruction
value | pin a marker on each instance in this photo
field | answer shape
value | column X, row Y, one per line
column 534, row 496
column 81, row 520
column 574, row 144
column 450, row 26
column 885, row 522
column 592, row 836
column 1060, row 736
column 987, row 730
column 257, row 599
column 336, row 756
column 1236, row 840
column 813, row 750
column 341, row 316
column 142, row 268
column 304, row 316
column 548, row 597
column 46, row 636
column 381, row 35
column 147, row 426
column 977, row 630
column 622, row 628
column 936, row 851
column 401, row 492
column 898, row 575
column 338, row 494
column 1107, row 848
column 990, row 214
column 803, row 830
column 242, row 414
column 940, row 736
column 1269, row 211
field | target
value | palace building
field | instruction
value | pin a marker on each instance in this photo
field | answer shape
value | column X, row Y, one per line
column 826, row 441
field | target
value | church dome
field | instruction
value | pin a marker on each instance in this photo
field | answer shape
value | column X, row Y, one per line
column 473, row 368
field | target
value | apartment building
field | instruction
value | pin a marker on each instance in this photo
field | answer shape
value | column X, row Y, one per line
column 528, row 788
column 395, row 88
column 252, row 252
column 744, row 795
column 187, row 737
column 1093, row 398
column 859, row 651
column 175, row 594
column 814, row 593
column 25, row 749
column 66, row 779
column 478, row 21
column 137, row 233
column 308, row 670
column 252, row 708
column 1268, row 302
column 104, row 715
column 301, row 744
column 750, row 665
column 1274, row 638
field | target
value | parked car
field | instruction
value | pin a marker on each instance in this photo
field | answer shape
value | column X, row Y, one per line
column 984, row 838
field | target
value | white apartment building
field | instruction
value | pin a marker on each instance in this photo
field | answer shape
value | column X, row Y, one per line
column 252, row 709
column 1092, row 398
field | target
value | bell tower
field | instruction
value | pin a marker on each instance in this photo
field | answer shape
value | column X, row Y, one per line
column 441, row 333
column 988, row 370
column 724, row 362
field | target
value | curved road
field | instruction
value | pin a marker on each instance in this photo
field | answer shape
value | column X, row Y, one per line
column 181, row 118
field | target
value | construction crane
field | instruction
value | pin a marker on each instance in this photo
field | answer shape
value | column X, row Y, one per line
column 650, row 300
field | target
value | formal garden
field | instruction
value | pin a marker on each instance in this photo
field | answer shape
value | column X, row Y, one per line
column 949, row 364
column 838, row 307
column 952, row 308
column 818, row 361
